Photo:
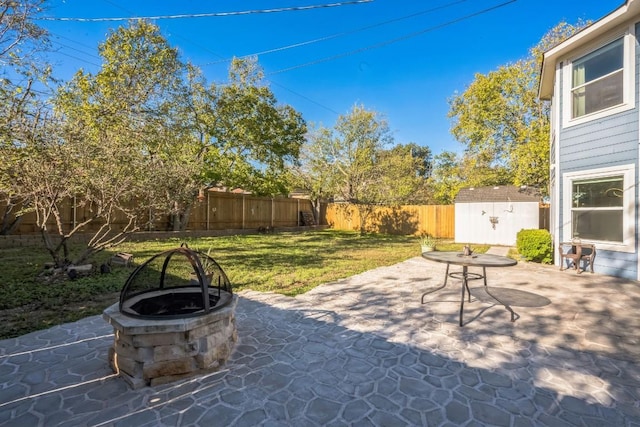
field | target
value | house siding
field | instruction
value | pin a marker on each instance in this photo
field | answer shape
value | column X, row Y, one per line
column 605, row 142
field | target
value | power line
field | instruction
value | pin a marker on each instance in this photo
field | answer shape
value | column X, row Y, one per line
column 209, row 15
column 75, row 49
column 206, row 49
column 66, row 46
column 77, row 58
column 267, row 80
column 391, row 41
column 305, row 97
column 198, row 45
column 60, row 36
column 326, row 59
column 342, row 34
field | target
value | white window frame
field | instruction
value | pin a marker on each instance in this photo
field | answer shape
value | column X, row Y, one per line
column 628, row 76
column 628, row 204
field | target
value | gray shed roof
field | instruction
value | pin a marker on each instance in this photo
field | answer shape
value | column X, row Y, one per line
column 499, row 193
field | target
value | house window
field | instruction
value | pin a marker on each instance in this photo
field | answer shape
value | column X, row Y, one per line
column 597, row 80
column 599, row 207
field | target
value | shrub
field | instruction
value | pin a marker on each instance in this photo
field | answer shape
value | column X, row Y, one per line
column 535, row 245
column 428, row 240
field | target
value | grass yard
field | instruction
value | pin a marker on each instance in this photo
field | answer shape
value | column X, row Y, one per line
column 286, row 263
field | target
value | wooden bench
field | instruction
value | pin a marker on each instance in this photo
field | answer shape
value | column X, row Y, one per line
column 576, row 252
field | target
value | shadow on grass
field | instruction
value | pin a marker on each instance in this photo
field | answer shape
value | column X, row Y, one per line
column 291, row 263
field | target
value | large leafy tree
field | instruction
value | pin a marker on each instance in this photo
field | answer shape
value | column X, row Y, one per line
column 142, row 136
column 354, row 162
column 117, row 137
column 22, row 68
column 345, row 158
column 246, row 138
column 311, row 173
column 445, row 182
column 21, row 64
column 453, row 172
column 501, row 121
column 404, row 170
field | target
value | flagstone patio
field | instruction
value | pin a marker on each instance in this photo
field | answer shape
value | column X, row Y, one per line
column 364, row 351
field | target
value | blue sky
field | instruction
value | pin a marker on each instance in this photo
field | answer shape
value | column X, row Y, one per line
column 401, row 58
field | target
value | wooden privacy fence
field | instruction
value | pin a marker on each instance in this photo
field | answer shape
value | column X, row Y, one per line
column 230, row 211
column 217, row 211
column 436, row 220
column 223, row 211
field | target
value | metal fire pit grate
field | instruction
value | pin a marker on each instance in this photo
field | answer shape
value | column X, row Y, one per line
column 177, row 283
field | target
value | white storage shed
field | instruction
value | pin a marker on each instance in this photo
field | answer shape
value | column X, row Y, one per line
column 495, row 215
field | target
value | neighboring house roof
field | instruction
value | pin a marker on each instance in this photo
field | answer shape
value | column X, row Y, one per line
column 222, row 189
column 581, row 38
column 499, row 193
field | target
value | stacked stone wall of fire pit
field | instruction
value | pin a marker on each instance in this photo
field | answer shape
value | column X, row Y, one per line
column 152, row 352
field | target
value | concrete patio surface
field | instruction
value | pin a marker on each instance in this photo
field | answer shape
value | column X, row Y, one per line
column 364, row 351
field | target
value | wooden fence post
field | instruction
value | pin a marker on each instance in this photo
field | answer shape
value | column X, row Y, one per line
column 243, row 211
column 208, row 210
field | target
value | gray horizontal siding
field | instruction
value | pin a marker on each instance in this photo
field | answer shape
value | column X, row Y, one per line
column 619, row 264
column 610, row 141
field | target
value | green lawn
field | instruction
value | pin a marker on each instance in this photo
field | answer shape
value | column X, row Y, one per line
column 287, row 263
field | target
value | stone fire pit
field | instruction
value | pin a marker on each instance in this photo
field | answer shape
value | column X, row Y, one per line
column 175, row 319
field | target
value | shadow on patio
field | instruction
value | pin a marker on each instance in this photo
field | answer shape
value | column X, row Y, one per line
column 364, row 351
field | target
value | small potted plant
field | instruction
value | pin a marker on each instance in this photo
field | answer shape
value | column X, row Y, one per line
column 207, row 263
column 428, row 243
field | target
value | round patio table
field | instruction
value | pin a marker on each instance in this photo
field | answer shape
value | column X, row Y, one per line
column 466, row 261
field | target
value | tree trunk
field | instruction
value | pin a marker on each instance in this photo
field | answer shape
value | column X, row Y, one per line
column 315, row 204
column 54, row 251
column 8, row 225
column 180, row 217
column 185, row 218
